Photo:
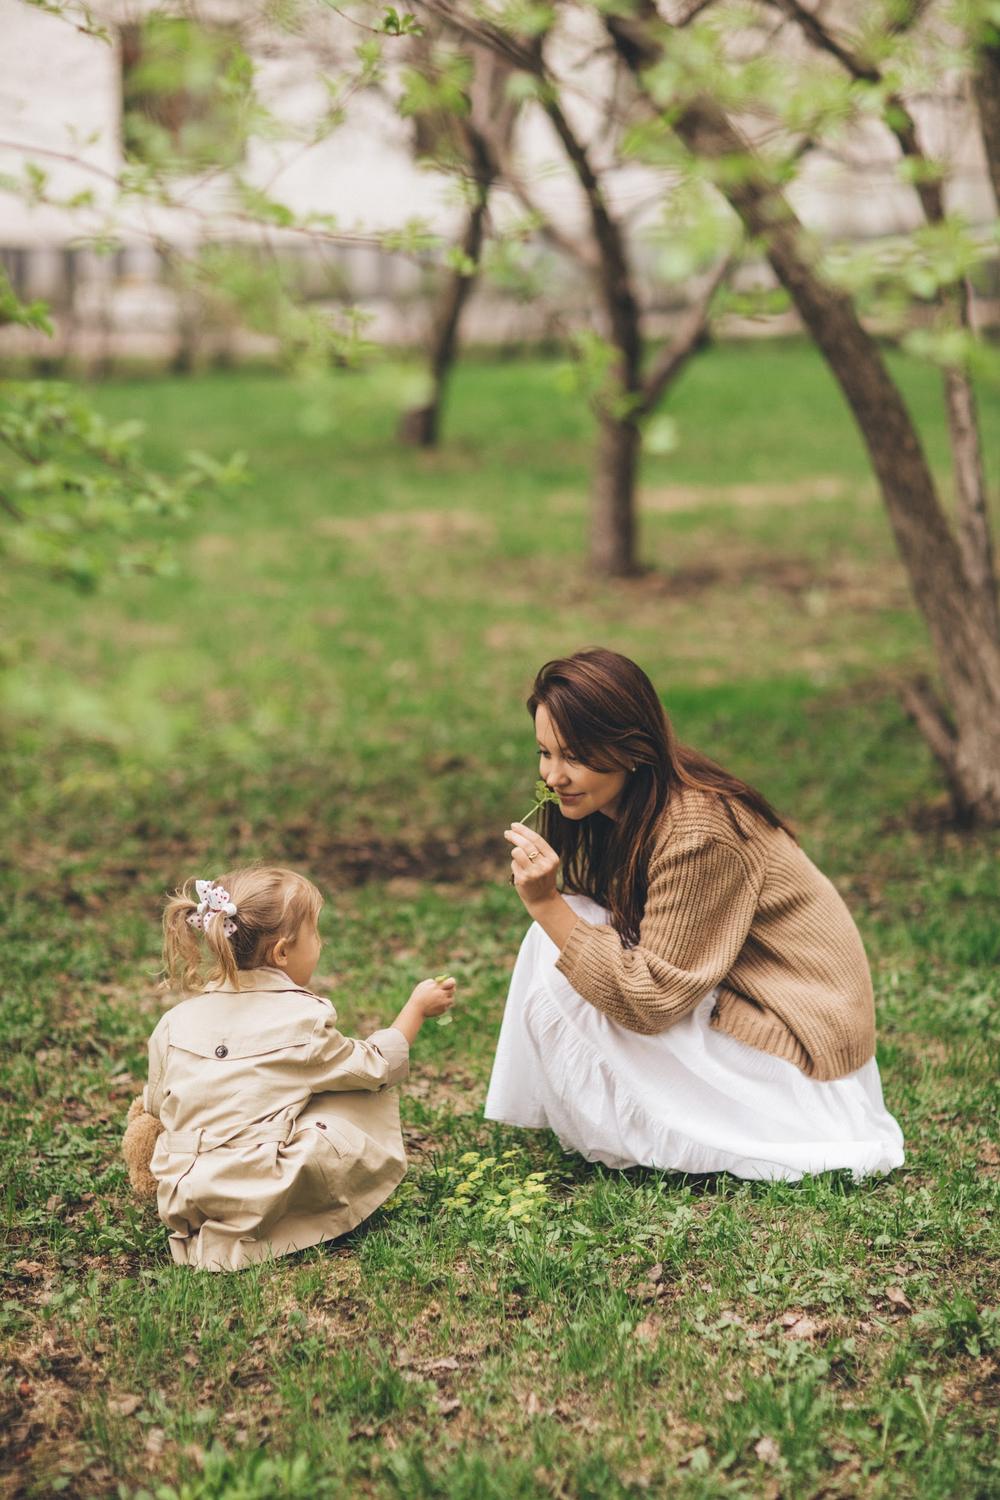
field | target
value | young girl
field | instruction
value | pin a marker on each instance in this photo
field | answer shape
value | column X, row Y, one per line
column 278, row 1131
column 696, row 996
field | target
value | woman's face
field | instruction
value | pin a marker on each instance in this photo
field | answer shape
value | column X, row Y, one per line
column 581, row 790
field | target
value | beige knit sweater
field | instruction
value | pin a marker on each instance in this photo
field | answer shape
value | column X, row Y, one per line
column 754, row 917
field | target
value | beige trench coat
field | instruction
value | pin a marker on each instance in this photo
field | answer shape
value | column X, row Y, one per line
column 279, row 1132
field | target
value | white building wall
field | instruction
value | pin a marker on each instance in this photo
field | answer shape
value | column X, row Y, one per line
column 60, row 106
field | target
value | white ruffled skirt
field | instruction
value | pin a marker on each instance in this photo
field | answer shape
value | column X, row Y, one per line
column 690, row 1099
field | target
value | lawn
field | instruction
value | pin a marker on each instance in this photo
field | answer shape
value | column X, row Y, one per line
column 335, row 678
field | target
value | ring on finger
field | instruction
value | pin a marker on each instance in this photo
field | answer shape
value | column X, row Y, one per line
column 532, row 855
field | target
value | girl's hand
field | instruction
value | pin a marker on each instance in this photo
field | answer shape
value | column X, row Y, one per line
column 432, row 997
column 534, row 865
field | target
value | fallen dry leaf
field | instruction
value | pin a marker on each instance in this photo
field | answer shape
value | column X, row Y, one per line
column 655, row 1273
column 898, row 1298
column 801, row 1328
column 155, row 1439
column 448, row 1408
column 29, row 1267
column 647, row 1330
column 767, row 1450
column 124, row 1406
column 448, row 1362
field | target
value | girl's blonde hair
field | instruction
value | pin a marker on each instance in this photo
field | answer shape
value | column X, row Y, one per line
column 271, row 903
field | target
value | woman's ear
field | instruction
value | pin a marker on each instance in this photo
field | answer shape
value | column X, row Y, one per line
column 279, row 954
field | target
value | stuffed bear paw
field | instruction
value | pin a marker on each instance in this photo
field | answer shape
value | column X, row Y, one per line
column 141, row 1131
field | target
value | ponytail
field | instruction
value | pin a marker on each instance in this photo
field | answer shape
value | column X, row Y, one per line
column 182, row 952
column 265, row 902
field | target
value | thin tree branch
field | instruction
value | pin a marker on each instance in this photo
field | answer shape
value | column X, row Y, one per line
column 928, row 713
column 897, row 115
column 986, row 85
column 615, row 272
column 574, row 249
column 690, row 336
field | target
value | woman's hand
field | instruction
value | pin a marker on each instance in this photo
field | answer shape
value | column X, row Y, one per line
column 534, row 865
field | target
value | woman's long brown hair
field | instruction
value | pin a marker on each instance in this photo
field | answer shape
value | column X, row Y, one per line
column 609, row 717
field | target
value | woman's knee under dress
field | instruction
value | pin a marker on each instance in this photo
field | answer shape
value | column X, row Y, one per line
column 690, row 1099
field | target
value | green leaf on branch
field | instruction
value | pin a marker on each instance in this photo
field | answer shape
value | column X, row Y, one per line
column 660, row 435
column 457, row 260
column 76, row 496
column 543, row 794
column 526, row 18
column 26, row 314
column 394, row 24
column 413, row 236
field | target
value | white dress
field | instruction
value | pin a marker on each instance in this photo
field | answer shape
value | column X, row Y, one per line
column 690, row 1099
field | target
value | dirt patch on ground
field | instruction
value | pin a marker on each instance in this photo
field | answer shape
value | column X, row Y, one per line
column 673, row 497
column 844, row 583
column 406, row 865
column 428, row 860
column 438, row 527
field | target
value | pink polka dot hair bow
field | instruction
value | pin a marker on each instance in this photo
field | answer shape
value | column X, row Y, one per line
column 213, row 901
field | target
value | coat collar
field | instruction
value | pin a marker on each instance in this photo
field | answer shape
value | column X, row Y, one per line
column 258, row 979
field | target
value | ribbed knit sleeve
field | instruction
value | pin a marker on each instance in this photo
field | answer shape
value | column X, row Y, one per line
column 701, row 900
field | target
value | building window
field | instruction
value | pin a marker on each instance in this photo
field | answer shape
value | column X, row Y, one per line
column 185, row 94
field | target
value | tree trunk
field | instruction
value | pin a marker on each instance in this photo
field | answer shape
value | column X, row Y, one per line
column 420, row 426
column 962, row 625
column 986, row 82
column 613, row 521
column 972, row 509
column 612, row 533
column 958, row 613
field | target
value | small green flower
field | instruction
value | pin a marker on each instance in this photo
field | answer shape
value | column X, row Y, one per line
column 543, row 794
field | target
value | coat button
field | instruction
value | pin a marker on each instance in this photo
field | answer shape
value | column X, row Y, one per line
column 320, row 1125
column 221, row 1051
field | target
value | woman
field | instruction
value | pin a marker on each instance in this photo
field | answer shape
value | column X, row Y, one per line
column 699, row 1000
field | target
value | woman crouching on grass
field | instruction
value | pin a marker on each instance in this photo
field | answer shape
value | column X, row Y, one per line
column 279, row 1132
column 699, row 998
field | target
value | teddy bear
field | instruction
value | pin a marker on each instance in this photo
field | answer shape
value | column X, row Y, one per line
column 141, row 1130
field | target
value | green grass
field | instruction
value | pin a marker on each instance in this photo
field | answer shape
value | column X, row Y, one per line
column 335, row 678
